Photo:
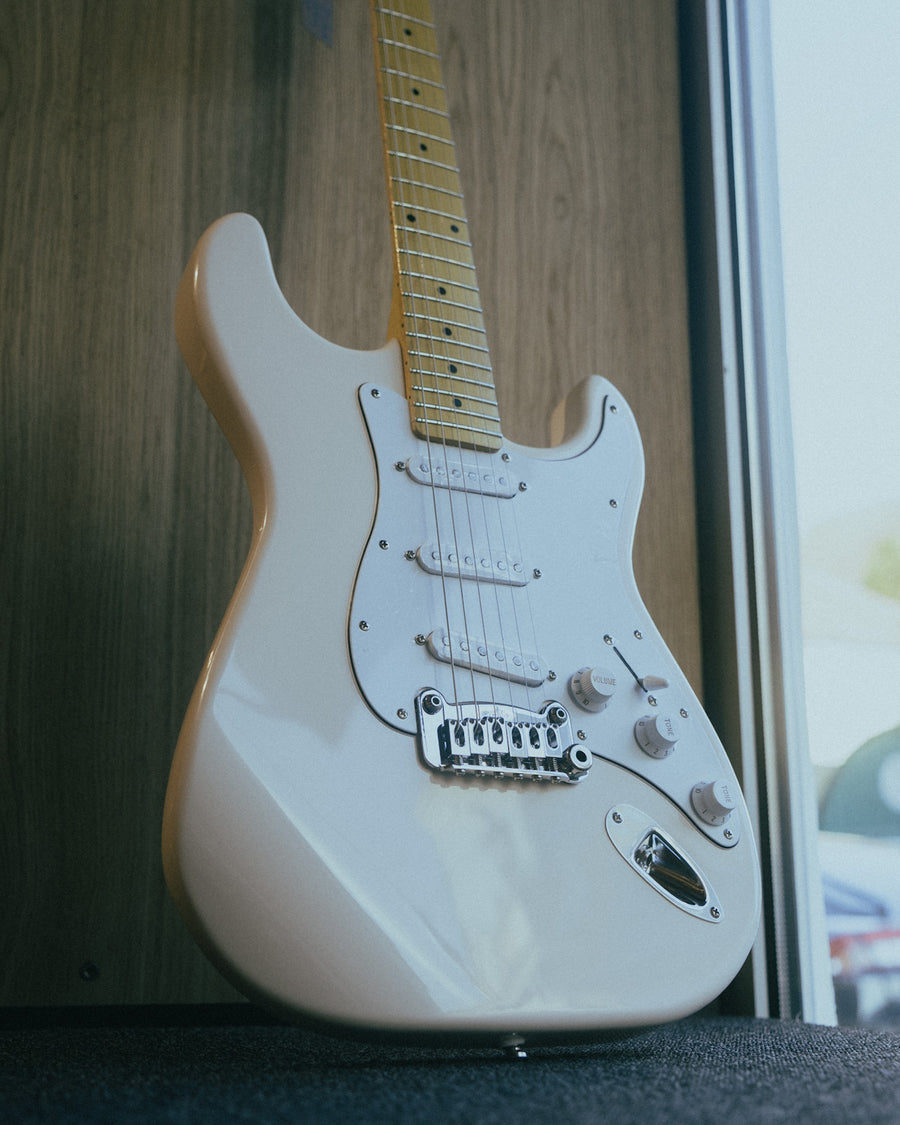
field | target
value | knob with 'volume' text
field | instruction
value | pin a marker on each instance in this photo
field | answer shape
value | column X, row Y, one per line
column 592, row 688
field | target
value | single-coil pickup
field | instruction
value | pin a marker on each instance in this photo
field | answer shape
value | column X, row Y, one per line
column 493, row 478
column 480, row 565
column 492, row 659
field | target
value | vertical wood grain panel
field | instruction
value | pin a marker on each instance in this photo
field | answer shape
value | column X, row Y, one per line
column 125, row 129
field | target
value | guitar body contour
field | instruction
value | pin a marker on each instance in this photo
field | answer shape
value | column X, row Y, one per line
column 326, row 848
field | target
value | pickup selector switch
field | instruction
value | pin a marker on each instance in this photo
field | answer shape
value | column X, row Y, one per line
column 592, row 688
column 657, row 734
column 713, row 802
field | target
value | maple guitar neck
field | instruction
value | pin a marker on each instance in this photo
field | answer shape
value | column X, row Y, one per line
column 437, row 310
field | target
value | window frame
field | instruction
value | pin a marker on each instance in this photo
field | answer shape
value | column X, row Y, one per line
column 746, row 501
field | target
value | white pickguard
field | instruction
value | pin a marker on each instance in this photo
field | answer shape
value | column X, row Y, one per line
column 324, row 866
column 571, row 519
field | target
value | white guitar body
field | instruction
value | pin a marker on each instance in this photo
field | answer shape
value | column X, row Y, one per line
column 330, row 852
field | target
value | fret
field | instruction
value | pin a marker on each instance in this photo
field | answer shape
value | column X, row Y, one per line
column 449, row 435
column 385, row 42
column 431, row 277
column 428, row 187
column 396, row 127
column 443, row 302
column 429, row 211
column 453, row 360
column 402, row 16
column 437, row 258
column 423, row 160
column 424, row 316
column 421, row 106
column 422, row 233
column 419, row 336
column 394, row 73
column 454, row 415
column 450, row 394
column 456, row 379
column 451, row 398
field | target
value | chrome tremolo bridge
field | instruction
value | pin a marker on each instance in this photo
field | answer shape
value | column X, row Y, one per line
column 490, row 740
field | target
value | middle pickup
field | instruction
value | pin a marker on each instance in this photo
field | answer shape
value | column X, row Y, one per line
column 480, row 565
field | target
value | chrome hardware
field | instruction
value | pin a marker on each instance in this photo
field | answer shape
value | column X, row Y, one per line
column 662, row 863
column 494, row 741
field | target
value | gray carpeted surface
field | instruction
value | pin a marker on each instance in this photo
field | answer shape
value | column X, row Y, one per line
column 703, row 1070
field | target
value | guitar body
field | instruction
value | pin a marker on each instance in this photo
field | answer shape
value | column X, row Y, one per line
column 331, row 847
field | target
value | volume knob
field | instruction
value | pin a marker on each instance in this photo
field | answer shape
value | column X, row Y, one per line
column 713, row 802
column 592, row 688
column 657, row 734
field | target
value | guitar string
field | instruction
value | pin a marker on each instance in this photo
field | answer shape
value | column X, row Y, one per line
column 494, row 527
column 465, row 521
column 472, row 498
column 508, row 595
column 398, row 197
column 496, row 673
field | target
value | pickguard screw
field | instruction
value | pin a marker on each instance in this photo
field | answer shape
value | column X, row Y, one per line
column 551, row 675
column 683, row 713
column 537, row 573
column 617, row 818
column 581, row 735
column 376, row 393
column 613, row 504
column 402, row 713
column 400, row 466
column 89, row 971
column 607, row 639
column 638, row 634
column 383, row 544
column 410, row 554
column 420, row 638
column 651, row 699
column 715, row 912
column 364, row 625
column 523, row 487
column 504, row 457
column 728, row 834
column 614, row 409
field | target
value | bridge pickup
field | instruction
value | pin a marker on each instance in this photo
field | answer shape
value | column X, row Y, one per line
column 481, row 565
column 490, row 477
column 487, row 740
column 491, row 659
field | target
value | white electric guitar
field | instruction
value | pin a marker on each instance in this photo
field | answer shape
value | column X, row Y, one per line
column 440, row 772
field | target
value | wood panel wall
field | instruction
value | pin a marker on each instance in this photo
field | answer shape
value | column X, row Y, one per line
column 126, row 127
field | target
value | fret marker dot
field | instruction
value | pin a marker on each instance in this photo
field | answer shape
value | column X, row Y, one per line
column 411, row 218
column 452, row 368
column 448, row 331
column 454, row 228
column 423, row 148
column 415, row 91
column 441, row 289
column 406, row 31
column 457, row 402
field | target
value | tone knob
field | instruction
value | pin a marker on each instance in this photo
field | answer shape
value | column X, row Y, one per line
column 592, row 688
column 657, row 734
column 713, row 801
